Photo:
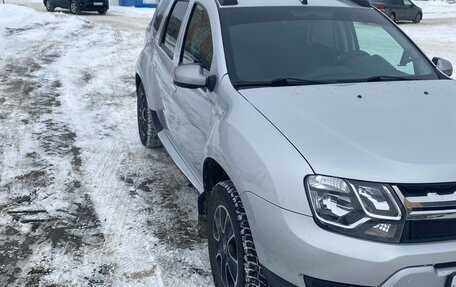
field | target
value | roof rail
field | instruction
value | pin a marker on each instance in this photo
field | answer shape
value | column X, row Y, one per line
column 228, row 2
column 363, row 3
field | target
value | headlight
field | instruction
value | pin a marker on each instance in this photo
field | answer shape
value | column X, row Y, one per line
column 355, row 208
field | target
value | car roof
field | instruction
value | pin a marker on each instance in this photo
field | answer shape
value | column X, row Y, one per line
column 272, row 3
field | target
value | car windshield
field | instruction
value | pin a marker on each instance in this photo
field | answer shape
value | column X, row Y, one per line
column 317, row 45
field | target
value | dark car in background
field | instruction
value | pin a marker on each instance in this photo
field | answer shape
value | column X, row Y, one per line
column 76, row 6
column 399, row 10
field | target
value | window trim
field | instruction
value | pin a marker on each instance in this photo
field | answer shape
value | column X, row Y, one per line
column 162, row 45
column 187, row 28
column 161, row 9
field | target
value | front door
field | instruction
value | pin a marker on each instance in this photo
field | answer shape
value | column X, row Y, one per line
column 194, row 106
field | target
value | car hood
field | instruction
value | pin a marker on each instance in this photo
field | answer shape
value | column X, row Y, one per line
column 396, row 132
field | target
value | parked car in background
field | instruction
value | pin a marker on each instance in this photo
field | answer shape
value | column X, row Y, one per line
column 76, row 6
column 318, row 136
column 399, row 10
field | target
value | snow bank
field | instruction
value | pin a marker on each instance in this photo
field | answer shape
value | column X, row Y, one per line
column 437, row 9
column 16, row 16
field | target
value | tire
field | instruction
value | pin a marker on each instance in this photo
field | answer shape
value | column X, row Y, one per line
column 392, row 16
column 49, row 6
column 74, row 7
column 418, row 18
column 231, row 246
column 147, row 133
column 102, row 12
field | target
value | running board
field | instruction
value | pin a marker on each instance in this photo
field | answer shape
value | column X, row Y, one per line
column 179, row 161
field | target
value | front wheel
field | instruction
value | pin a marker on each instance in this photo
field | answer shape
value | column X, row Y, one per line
column 49, row 6
column 74, row 7
column 418, row 18
column 232, row 253
column 102, row 12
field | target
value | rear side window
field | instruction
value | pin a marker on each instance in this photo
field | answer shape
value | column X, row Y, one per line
column 159, row 17
column 198, row 47
column 173, row 27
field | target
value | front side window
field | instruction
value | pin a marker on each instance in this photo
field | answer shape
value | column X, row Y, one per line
column 173, row 27
column 198, row 47
column 318, row 45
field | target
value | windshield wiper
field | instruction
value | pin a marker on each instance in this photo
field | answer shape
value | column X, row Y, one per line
column 294, row 81
column 279, row 82
column 386, row 78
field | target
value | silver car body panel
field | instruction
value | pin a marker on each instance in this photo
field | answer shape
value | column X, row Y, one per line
column 272, row 3
column 299, row 247
column 388, row 135
column 260, row 137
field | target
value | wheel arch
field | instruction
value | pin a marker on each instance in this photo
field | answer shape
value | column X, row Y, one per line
column 213, row 173
column 138, row 80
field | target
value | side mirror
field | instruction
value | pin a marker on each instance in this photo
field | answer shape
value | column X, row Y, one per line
column 443, row 65
column 191, row 76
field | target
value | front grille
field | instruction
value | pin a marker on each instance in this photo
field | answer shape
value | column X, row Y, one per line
column 313, row 282
column 423, row 189
column 429, row 230
column 430, row 211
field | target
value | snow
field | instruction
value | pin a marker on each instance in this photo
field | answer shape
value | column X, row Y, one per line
column 436, row 34
column 81, row 201
column 437, row 9
column 131, row 11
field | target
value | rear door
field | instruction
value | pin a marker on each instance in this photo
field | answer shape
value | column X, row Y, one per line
column 401, row 11
column 409, row 10
column 148, row 65
column 164, row 61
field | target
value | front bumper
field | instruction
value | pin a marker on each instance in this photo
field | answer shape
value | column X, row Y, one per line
column 292, row 246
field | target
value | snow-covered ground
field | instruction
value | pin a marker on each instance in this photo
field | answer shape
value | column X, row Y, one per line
column 82, row 203
column 436, row 34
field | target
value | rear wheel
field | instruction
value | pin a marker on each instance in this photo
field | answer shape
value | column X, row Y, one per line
column 102, row 11
column 418, row 18
column 49, row 6
column 74, row 7
column 147, row 133
column 232, row 253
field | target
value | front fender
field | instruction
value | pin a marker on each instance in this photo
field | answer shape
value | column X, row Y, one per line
column 255, row 155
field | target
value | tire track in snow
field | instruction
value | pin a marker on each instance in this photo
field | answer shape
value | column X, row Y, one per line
column 40, row 166
column 124, row 215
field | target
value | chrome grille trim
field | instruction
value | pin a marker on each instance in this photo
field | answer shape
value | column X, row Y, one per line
column 432, row 206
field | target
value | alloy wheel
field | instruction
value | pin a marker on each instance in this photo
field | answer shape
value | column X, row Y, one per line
column 225, row 247
column 74, row 7
column 143, row 116
column 49, row 5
